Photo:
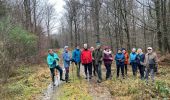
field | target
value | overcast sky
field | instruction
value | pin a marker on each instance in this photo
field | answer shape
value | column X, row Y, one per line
column 58, row 5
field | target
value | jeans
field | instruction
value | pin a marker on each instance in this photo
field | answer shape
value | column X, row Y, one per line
column 150, row 70
column 53, row 73
column 88, row 69
column 67, row 74
column 120, row 66
column 108, row 70
column 78, row 69
column 141, row 70
column 134, row 68
column 125, row 69
column 94, row 68
column 99, row 71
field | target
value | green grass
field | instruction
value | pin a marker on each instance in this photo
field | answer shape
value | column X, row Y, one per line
column 26, row 83
column 75, row 90
column 121, row 89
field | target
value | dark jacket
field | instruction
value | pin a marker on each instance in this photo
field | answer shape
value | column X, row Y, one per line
column 98, row 56
column 107, row 57
column 140, row 58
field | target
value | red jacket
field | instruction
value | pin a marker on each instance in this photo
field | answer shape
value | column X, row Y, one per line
column 126, row 58
column 86, row 56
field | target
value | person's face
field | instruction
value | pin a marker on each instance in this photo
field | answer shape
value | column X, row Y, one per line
column 92, row 49
column 133, row 50
column 119, row 51
column 66, row 49
column 124, row 51
column 139, row 51
column 77, row 47
column 50, row 51
column 85, row 46
column 107, row 50
column 149, row 50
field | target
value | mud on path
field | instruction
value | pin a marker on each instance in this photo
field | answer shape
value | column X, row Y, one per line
column 97, row 91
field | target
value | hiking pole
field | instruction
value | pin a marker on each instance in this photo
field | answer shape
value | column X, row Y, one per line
column 73, row 71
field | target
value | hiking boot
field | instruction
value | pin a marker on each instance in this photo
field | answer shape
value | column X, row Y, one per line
column 98, row 81
column 53, row 84
column 62, row 80
column 90, row 77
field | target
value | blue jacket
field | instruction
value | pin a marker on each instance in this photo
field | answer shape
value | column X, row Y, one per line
column 133, row 57
column 120, row 59
column 76, row 55
column 50, row 61
column 66, row 59
column 56, row 58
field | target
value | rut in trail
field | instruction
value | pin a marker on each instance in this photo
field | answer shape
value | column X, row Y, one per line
column 98, row 90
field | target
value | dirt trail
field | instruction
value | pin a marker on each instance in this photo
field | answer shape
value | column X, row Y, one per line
column 48, row 93
column 97, row 90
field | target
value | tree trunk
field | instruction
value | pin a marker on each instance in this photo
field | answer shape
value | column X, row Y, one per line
column 164, row 23
column 27, row 14
column 158, row 24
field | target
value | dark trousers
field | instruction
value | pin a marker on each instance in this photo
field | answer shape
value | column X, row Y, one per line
column 53, row 73
column 141, row 70
column 125, row 69
column 94, row 68
column 108, row 70
column 67, row 74
column 78, row 69
column 88, row 69
column 99, row 71
column 134, row 68
column 120, row 66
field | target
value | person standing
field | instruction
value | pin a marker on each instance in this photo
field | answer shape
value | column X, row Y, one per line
column 98, row 57
column 120, row 59
column 126, row 60
column 66, row 60
column 93, row 62
column 151, row 63
column 52, row 60
column 107, row 58
column 133, row 61
column 76, row 58
column 86, row 59
column 140, row 61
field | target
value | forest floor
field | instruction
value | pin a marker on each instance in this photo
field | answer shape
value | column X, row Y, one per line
column 30, row 83
column 129, row 88
column 26, row 83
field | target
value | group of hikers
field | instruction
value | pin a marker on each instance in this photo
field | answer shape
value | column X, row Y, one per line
column 92, row 60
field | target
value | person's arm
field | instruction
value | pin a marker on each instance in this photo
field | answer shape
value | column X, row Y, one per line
column 156, row 59
column 81, row 57
column 73, row 56
column 90, row 56
column 49, row 61
column 93, row 53
column 116, row 57
column 123, row 59
column 102, row 55
column 56, row 57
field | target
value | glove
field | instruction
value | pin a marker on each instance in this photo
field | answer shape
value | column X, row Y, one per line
column 57, row 59
column 54, row 62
